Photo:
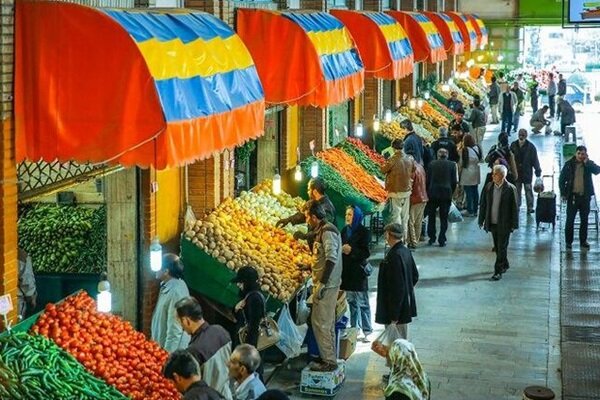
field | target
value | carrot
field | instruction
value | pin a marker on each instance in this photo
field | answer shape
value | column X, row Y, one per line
column 378, row 158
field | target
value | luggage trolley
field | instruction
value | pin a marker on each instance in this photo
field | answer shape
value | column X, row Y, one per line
column 545, row 210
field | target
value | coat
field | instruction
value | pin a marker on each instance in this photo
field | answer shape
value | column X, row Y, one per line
column 567, row 177
column 419, row 187
column 526, row 159
column 250, row 389
column 414, row 144
column 211, row 346
column 445, row 143
column 470, row 174
column 494, row 93
column 442, row 179
column 165, row 329
column 398, row 171
column 253, row 312
column 567, row 116
column 508, row 214
column 201, row 391
column 397, row 278
column 513, row 103
column 353, row 278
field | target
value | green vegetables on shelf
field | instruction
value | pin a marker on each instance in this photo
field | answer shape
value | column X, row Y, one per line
column 32, row 367
column 64, row 238
column 361, row 159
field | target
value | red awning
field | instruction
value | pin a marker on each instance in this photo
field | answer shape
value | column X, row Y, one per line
column 424, row 37
column 453, row 40
column 480, row 29
column 383, row 45
column 467, row 30
column 130, row 87
column 306, row 58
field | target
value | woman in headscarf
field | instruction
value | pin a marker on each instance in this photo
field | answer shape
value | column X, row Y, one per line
column 407, row 379
column 355, row 252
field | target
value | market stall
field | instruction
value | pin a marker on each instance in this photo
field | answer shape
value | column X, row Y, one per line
column 467, row 30
column 480, row 29
column 425, row 39
column 453, row 40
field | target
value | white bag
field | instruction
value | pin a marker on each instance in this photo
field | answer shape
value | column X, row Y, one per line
column 538, row 186
column 291, row 336
column 382, row 344
column 189, row 220
column 302, row 309
column 454, row 215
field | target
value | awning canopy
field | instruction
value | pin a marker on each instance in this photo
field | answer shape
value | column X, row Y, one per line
column 453, row 41
column 467, row 30
column 424, row 37
column 130, row 87
column 306, row 58
column 383, row 45
column 480, row 29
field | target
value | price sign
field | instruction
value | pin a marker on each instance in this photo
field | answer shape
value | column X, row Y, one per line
column 6, row 304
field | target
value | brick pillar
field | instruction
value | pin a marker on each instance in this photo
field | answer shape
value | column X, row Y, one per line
column 319, row 5
column 313, row 126
column 209, row 6
column 403, row 5
column 450, row 5
column 204, row 189
column 404, row 85
column 372, row 5
column 148, row 230
column 433, row 5
column 449, row 67
column 228, row 173
column 372, row 99
column 8, row 172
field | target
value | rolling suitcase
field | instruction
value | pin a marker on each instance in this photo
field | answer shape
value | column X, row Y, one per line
column 545, row 211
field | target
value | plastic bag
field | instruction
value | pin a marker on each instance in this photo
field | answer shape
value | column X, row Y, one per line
column 454, row 215
column 189, row 220
column 382, row 344
column 538, row 186
column 291, row 336
column 302, row 309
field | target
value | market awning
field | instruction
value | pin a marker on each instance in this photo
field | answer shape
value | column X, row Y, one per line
column 383, row 45
column 453, row 41
column 130, row 87
column 480, row 29
column 467, row 30
column 424, row 37
column 306, row 58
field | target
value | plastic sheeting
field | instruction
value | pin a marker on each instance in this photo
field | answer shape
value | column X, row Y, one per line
column 130, row 87
column 383, row 45
column 453, row 40
column 426, row 41
column 480, row 29
column 467, row 30
column 303, row 58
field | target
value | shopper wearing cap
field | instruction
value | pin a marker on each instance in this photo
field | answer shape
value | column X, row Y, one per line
column 398, row 275
column 326, row 277
column 165, row 330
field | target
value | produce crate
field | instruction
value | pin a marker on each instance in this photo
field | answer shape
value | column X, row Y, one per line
column 381, row 143
column 205, row 275
column 53, row 287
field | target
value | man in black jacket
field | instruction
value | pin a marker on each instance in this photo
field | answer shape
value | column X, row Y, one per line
column 442, row 179
column 561, row 92
column 183, row 369
column 398, row 275
column 526, row 158
column 444, row 142
column 498, row 214
column 576, row 188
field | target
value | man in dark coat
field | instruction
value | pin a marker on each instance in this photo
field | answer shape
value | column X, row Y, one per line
column 413, row 142
column 526, row 158
column 498, row 214
column 576, row 188
column 397, row 278
column 567, row 116
column 444, row 142
column 183, row 369
column 561, row 92
column 442, row 179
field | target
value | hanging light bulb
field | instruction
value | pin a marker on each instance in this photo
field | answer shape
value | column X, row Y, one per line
column 314, row 169
column 104, row 302
column 500, row 58
column 376, row 123
column 445, row 87
column 298, row 174
column 359, row 130
column 482, row 47
column 451, row 80
column 426, row 95
column 492, row 44
column 470, row 63
column 420, row 103
column 480, row 58
column 456, row 75
column 387, row 117
column 412, row 104
column 155, row 255
column 276, row 184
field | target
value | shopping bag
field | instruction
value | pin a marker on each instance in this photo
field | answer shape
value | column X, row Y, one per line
column 382, row 344
column 291, row 336
column 454, row 215
column 538, row 185
column 302, row 310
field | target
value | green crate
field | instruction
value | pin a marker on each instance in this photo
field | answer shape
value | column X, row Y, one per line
column 568, row 150
column 207, row 276
column 53, row 287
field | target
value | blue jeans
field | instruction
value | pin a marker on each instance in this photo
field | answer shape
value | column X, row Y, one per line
column 472, row 198
column 360, row 311
column 507, row 120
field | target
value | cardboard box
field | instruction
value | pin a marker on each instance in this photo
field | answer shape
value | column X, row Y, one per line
column 348, row 339
column 323, row 383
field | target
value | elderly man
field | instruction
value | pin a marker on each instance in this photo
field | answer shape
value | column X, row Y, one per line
column 244, row 362
column 399, row 170
column 538, row 120
column 444, row 142
column 442, row 178
column 499, row 214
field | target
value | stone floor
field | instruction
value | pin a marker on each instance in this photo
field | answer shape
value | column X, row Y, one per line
column 478, row 339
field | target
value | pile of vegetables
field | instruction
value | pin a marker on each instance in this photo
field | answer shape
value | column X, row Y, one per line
column 442, row 109
column 433, row 115
column 361, row 159
column 265, row 208
column 336, row 183
column 469, row 87
column 64, row 239
column 284, row 199
column 34, row 368
column 236, row 238
column 418, row 118
column 460, row 94
column 108, row 347
column 354, row 174
column 372, row 154
column 393, row 130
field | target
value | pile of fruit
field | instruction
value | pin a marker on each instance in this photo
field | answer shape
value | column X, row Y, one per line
column 419, row 118
column 64, row 239
column 393, row 130
column 460, row 94
column 34, row 368
column 431, row 114
column 263, row 207
column 235, row 238
column 355, row 175
column 372, row 154
column 469, row 87
column 442, row 109
column 361, row 159
column 287, row 201
column 108, row 347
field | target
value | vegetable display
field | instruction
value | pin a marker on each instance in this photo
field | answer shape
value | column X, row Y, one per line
column 265, row 207
column 236, row 238
column 34, row 368
column 373, row 155
column 419, row 118
column 285, row 200
column 437, row 118
column 361, row 159
column 66, row 239
column 355, row 175
column 108, row 347
column 470, row 87
column 446, row 95
column 441, row 108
